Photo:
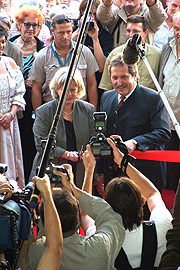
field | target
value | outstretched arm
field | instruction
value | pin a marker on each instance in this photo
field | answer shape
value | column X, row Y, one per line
column 148, row 190
column 98, row 52
column 89, row 164
column 51, row 259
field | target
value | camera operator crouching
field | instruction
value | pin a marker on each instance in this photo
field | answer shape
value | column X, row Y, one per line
column 15, row 219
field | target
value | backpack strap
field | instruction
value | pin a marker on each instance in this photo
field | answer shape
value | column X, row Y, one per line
column 149, row 249
column 115, row 27
column 121, row 262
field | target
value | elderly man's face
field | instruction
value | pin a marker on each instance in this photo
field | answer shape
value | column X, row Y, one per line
column 122, row 81
column 173, row 7
column 176, row 28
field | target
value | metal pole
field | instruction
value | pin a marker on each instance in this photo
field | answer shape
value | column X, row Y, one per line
column 160, row 91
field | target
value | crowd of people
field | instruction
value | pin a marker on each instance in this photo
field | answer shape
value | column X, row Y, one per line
column 130, row 227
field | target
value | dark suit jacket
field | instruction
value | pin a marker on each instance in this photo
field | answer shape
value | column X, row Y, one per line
column 143, row 118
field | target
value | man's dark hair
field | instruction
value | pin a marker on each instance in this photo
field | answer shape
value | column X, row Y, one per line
column 67, row 208
column 118, row 61
column 138, row 19
column 125, row 198
column 60, row 19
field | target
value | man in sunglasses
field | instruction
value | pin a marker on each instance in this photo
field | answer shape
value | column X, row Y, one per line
column 58, row 54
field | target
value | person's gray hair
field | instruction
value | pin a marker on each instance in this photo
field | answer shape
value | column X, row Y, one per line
column 59, row 79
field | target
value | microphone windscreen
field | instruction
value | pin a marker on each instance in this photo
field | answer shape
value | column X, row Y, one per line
column 131, row 52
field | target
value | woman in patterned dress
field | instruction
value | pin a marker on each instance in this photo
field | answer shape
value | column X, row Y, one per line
column 12, row 89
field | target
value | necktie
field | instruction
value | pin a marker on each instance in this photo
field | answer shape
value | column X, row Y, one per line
column 121, row 102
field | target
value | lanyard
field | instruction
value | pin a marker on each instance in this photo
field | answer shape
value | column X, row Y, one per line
column 55, row 54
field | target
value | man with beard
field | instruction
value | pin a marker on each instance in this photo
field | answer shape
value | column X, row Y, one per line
column 137, row 114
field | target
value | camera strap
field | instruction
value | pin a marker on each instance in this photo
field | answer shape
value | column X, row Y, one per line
column 124, row 163
column 127, row 158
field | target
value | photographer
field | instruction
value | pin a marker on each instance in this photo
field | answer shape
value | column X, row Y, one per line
column 83, row 253
column 15, row 220
column 144, row 240
column 52, row 225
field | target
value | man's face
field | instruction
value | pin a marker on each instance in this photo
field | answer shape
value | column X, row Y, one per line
column 122, row 81
column 135, row 28
column 2, row 44
column 173, row 7
column 49, row 5
column 117, row 3
column 176, row 28
column 130, row 5
column 7, row 6
column 63, row 35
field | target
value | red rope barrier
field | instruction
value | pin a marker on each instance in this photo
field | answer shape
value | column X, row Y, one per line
column 158, row 155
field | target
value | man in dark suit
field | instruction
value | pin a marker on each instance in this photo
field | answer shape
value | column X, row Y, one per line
column 138, row 115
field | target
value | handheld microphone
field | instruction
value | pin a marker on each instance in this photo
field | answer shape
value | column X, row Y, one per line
column 34, row 198
column 28, row 190
column 35, row 195
column 131, row 50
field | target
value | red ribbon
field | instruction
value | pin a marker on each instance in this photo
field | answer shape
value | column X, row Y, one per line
column 158, row 155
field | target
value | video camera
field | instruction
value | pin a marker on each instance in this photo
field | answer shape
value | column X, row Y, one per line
column 52, row 167
column 15, row 221
column 99, row 144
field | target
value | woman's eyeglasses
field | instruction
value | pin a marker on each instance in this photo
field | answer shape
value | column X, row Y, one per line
column 28, row 25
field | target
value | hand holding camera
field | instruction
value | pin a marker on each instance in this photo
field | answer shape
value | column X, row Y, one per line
column 118, row 155
column 88, row 158
column 66, row 175
column 43, row 184
column 5, row 187
column 93, row 31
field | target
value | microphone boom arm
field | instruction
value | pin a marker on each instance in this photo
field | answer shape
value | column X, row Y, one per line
column 160, row 91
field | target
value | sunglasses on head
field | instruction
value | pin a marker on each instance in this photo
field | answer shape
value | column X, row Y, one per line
column 28, row 25
column 59, row 21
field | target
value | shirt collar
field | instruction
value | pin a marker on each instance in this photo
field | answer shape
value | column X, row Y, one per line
column 173, row 44
column 72, row 46
column 127, row 96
